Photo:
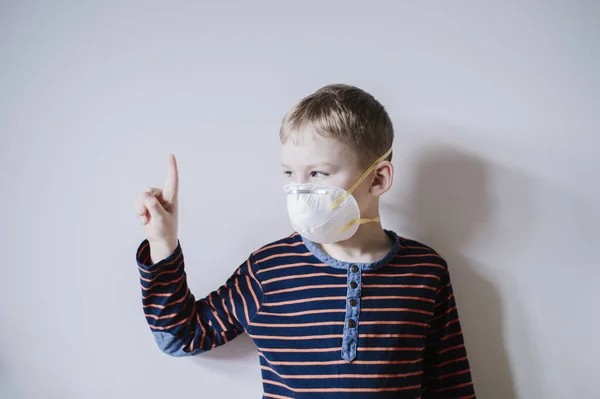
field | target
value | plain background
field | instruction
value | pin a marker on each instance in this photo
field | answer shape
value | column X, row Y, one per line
column 496, row 108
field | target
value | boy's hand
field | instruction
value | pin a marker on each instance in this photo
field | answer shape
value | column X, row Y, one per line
column 157, row 210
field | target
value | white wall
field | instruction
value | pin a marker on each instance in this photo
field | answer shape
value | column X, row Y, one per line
column 496, row 107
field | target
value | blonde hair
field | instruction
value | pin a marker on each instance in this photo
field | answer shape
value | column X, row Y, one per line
column 346, row 113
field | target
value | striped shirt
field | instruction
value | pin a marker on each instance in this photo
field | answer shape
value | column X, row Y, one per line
column 323, row 328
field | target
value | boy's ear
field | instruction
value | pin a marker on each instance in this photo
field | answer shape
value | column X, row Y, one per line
column 383, row 176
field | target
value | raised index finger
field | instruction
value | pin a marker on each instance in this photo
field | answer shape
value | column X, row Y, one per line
column 172, row 184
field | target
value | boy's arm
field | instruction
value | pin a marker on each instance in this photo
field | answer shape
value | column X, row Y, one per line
column 446, row 369
column 184, row 326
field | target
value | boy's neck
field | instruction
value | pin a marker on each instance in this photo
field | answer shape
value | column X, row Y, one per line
column 369, row 244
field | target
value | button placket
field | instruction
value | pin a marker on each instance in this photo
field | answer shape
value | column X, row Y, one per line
column 350, row 335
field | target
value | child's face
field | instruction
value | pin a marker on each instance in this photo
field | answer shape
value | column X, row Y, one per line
column 312, row 158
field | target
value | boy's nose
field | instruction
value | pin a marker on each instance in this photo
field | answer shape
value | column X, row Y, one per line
column 298, row 179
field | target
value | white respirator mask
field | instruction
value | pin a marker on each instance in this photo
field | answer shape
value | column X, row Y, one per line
column 326, row 214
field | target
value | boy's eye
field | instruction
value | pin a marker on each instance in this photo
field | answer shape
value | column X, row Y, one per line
column 318, row 174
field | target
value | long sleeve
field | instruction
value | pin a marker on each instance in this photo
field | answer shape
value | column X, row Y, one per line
column 447, row 373
column 182, row 325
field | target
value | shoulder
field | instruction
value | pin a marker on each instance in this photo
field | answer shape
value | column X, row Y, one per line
column 291, row 245
column 416, row 252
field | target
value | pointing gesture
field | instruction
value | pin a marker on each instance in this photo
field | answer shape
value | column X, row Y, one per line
column 157, row 210
column 171, row 188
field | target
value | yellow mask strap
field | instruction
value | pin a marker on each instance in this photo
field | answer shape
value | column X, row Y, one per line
column 342, row 197
column 359, row 221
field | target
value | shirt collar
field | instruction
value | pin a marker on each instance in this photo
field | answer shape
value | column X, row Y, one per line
column 323, row 257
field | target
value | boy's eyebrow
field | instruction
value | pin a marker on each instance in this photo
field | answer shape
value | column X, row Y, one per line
column 312, row 166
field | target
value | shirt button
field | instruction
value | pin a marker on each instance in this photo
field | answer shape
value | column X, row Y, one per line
column 351, row 323
column 354, row 268
column 353, row 302
column 353, row 284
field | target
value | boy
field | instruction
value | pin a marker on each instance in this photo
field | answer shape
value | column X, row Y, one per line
column 341, row 308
